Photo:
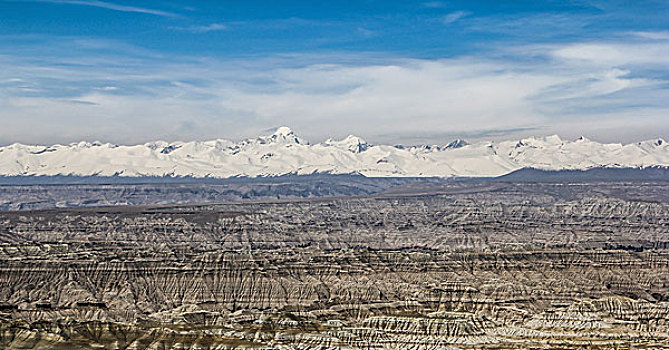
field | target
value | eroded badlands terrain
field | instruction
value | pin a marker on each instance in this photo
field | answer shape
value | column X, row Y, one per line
column 423, row 266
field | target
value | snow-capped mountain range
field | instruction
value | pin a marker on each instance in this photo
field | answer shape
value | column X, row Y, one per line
column 283, row 153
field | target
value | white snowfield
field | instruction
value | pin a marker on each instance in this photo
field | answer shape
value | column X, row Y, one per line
column 285, row 153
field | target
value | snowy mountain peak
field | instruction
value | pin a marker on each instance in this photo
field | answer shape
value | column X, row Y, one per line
column 284, row 153
column 352, row 143
column 283, row 131
column 553, row 140
column 650, row 145
column 457, row 143
column 169, row 149
column 282, row 135
column 355, row 144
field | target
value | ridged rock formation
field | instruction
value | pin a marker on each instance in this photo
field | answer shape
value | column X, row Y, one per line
column 443, row 266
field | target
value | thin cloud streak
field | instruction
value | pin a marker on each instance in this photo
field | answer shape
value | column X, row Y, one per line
column 214, row 27
column 663, row 35
column 648, row 54
column 434, row 4
column 110, row 6
column 454, row 17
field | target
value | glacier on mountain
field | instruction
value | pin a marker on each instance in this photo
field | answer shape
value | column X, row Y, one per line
column 283, row 152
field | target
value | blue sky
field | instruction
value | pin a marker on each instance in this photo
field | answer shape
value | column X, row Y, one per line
column 389, row 71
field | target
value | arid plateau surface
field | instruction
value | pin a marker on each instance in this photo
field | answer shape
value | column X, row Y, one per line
column 415, row 265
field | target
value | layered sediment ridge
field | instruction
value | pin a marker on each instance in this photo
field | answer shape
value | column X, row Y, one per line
column 499, row 266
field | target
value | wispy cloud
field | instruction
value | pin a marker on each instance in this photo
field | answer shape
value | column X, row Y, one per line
column 661, row 35
column 565, row 88
column 428, row 136
column 454, row 17
column 434, row 4
column 620, row 54
column 110, row 6
column 106, row 88
column 537, row 26
column 367, row 33
column 213, row 27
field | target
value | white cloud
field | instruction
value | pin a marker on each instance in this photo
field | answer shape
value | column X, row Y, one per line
column 661, row 35
column 433, row 4
column 454, row 17
column 617, row 54
column 213, row 27
column 107, row 88
column 111, row 6
column 394, row 101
